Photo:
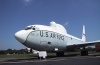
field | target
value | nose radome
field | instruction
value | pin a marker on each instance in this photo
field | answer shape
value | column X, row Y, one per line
column 21, row 35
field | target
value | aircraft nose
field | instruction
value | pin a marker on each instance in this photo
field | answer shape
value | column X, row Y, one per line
column 21, row 35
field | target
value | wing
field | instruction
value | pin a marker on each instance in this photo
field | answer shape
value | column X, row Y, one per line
column 83, row 44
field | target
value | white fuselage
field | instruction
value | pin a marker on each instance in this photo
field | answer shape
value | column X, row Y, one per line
column 46, row 38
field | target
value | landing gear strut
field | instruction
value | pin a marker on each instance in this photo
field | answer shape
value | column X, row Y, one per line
column 42, row 54
column 60, row 54
column 84, row 52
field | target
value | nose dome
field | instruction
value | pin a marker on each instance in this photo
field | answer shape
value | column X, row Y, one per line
column 21, row 35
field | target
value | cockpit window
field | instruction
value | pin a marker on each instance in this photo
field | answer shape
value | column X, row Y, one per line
column 32, row 28
column 27, row 28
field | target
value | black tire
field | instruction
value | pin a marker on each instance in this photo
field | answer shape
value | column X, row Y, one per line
column 84, row 53
column 60, row 54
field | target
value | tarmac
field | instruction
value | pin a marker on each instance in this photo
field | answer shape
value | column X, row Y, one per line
column 76, row 60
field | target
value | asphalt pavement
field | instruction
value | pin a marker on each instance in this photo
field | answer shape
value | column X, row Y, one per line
column 77, row 60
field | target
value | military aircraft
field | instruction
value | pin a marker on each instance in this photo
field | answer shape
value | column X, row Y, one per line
column 52, row 38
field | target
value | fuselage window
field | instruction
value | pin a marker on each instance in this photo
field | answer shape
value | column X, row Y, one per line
column 33, row 28
column 49, row 42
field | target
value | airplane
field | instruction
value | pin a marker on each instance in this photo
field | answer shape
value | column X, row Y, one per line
column 52, row 38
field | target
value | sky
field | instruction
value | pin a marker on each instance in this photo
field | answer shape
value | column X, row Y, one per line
column 15, row 15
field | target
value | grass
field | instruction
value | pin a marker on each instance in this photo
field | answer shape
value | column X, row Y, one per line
column 17, row 55
column 67, row 54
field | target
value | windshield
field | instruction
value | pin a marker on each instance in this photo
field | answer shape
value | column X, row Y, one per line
column 27, row 28
column 31, row 27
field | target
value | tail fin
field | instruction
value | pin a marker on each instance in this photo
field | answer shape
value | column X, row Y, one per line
column 83, row 34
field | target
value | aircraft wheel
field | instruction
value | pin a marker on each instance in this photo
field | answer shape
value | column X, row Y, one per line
column 60, row 54
column 84, row 52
